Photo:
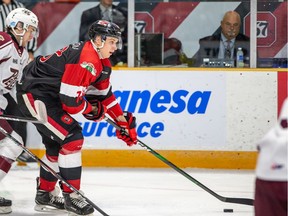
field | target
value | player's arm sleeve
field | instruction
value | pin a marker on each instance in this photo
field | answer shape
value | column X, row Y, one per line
column 5, row 47
column 73, row 88
column 113, row 107
column 102, row 91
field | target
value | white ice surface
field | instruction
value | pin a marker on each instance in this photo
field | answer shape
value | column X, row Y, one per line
column 142, row 192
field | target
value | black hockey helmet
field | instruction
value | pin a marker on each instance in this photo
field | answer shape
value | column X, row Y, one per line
column 105, row 28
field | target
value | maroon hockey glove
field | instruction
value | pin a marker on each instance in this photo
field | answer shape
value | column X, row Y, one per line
column 98, row 111
column 128, row 134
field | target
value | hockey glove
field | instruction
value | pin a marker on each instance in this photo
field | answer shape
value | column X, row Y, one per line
column 98, row 111
column 128, row 133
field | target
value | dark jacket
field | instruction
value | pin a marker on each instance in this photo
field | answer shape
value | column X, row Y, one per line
column 119, row 15
column 93, row 14
column 209, row 48
column 88, row 17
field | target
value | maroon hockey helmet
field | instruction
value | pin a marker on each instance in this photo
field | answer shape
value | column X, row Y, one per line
column 105, row 28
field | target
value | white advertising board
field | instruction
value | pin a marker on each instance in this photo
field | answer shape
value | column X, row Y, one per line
column 188, row 110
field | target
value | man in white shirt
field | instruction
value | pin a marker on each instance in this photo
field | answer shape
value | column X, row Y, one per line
column 224, row 44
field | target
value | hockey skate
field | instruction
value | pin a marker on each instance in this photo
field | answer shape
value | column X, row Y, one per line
column 5, row 206
column 49, row 201
column 76, row 205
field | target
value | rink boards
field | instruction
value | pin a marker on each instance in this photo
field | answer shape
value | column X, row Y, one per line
column 194, row 118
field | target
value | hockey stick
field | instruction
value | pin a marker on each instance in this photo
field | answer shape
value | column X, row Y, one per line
column 244, row 201
column 21, row 119
column 55, row 174
column 42, row 115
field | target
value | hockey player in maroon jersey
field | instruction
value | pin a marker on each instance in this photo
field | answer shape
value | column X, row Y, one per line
column 75, row 79
column 21, row 27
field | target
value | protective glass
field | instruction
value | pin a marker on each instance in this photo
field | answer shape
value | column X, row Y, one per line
column 119, row 44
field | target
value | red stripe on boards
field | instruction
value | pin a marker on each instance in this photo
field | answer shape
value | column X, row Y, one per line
column 282, row 89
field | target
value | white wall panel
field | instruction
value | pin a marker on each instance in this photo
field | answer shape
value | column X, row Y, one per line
column 240, row 108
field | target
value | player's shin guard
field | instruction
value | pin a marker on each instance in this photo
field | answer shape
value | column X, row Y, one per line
column 70, row 169
column 69, row 160
column 9, row 151
column 5, row 166
column 48, row 181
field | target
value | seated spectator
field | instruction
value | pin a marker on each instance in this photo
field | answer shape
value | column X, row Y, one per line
column 172, row 51
column 107, row 11
column 224, row 45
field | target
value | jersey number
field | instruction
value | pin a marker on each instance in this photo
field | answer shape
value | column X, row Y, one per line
column 57, row 53
column 10, row 81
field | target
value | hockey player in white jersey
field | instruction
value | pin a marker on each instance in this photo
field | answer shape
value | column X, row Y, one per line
column 271, row 195
column 21, row 27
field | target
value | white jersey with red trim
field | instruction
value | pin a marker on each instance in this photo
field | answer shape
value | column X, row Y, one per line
column 12, row 61
column 272, row 163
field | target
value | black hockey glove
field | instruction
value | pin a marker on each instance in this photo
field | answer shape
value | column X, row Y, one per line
column 98, row 111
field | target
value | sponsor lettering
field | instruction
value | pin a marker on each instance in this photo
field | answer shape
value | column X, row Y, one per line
column 163, row 101
column 160, row 102
column 96, row 129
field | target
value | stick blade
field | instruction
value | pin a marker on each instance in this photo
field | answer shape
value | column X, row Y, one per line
column 41, row 111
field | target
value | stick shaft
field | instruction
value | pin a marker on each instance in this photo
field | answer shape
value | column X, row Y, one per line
column 55, row 174
column 244, row 201
column 19, row 119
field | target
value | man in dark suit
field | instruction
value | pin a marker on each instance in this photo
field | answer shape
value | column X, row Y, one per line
column 224, row 45
column 107, row 11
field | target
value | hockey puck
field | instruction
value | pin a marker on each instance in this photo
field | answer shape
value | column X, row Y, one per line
column 228, row 210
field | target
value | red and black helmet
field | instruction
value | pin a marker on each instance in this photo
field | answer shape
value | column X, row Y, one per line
column 105, row 28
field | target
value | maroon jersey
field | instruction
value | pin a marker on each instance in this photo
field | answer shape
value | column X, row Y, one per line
column 70, row 74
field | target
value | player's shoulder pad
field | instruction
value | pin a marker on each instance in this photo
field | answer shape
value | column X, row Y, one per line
column 4, row 38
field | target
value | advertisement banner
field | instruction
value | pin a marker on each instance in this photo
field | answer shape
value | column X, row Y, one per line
column 173, row 111
column 188, row 110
